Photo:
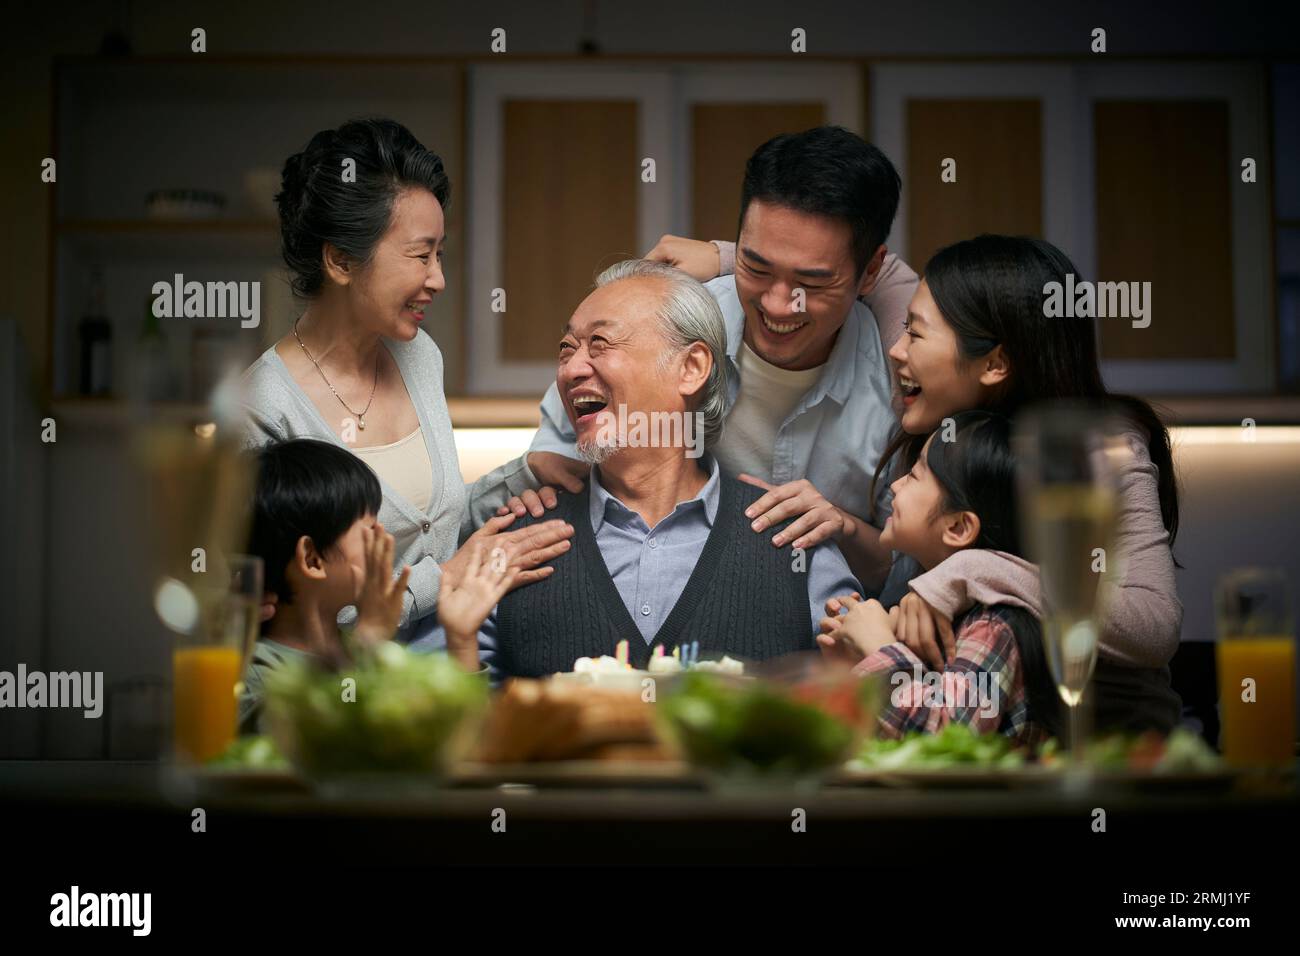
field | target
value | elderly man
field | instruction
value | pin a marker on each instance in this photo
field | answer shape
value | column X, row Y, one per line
column 809, row 412
column 662, row 552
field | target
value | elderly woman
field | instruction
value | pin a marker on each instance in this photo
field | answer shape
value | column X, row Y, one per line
column 362, row 232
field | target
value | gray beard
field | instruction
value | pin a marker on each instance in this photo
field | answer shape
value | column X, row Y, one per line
column 594, row 453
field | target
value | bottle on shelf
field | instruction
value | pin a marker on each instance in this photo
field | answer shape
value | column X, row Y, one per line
column 154, row 380
column 96, row 335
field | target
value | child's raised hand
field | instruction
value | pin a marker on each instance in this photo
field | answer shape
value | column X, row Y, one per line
column 379, row 608
column 467, row 598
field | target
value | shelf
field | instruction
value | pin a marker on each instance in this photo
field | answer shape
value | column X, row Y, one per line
column 1228, row 409
column 112, row 413
column 494, row 412
column 508, row 412
column 191, row 239
column 476, row 413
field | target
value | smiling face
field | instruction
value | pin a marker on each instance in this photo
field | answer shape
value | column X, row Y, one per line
column 918, row 526
column 780, row 250
column 611, row 355
column 935, row 378
column 391, row 291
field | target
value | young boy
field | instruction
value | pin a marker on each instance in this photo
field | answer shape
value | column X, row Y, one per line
column 314, row 527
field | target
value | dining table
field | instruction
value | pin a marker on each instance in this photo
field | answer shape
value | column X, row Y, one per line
column 486, row 817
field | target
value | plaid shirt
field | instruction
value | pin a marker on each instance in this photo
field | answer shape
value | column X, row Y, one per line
column 981, row 685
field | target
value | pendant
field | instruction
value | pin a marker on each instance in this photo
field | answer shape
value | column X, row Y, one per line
column 361, row 423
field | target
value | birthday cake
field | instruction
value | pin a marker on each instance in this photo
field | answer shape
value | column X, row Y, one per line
column 617, row 672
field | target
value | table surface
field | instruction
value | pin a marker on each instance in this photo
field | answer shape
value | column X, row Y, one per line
column 150, row 808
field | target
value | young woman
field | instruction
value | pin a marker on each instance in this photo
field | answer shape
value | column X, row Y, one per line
column 362, row 232
column 959, row 494
column 977, row 337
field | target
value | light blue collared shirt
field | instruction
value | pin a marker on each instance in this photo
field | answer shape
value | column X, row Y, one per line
column 650, row 566
column 836, row 432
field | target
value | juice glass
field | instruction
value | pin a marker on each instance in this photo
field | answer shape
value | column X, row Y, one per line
column 1256, row 663
column 207, row 663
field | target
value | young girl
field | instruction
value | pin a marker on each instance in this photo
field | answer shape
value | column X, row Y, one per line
column 958, row 495
column 978, row 336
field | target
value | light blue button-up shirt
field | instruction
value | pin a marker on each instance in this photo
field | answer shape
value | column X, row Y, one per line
column 834, row 435
column 650, row 566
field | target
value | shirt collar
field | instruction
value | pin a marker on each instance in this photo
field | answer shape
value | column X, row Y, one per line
column 601, row 500
column 836, row 380
column 837, row 377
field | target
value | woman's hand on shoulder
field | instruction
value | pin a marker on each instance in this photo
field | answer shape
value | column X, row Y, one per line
column 556, row 473
column 698, row 258
column 535, row 503
column 525, row 549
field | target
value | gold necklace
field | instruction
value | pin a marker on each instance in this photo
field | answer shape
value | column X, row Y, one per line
column 361, row 415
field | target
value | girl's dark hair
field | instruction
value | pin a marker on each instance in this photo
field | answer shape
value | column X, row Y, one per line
column 976, row 472
column 317, row 205
column 306, row 487
column 990, row 290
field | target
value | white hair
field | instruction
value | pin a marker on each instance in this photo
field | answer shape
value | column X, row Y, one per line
column 689, row 314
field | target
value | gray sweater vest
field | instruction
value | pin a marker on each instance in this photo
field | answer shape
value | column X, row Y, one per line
column 744, row 598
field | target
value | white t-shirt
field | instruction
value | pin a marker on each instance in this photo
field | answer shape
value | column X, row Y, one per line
column 768, row 394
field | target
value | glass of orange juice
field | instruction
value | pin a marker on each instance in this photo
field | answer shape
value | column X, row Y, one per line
column 1256, row 664
column 208, row 662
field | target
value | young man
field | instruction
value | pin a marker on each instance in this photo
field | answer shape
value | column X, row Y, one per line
column 810, row 407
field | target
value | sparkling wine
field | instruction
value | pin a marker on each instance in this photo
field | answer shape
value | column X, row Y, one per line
column 1072, row 531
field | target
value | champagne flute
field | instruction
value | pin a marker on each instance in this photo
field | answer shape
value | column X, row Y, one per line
column 1067, row 461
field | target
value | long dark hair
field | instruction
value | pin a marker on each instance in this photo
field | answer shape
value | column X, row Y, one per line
column 990, row 291
column 976, row 472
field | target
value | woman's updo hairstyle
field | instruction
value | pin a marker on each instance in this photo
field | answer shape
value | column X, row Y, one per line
column 317, row 205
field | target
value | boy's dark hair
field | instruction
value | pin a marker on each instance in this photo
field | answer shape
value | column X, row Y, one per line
column 827, row 171
column 317, row 206
column 306, row 487
column 977, row 473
